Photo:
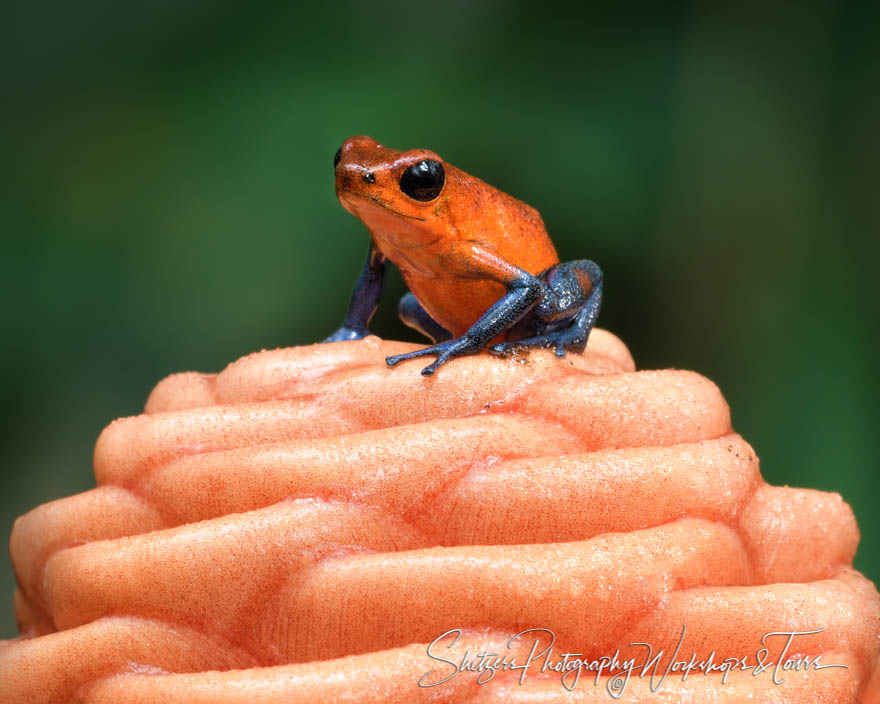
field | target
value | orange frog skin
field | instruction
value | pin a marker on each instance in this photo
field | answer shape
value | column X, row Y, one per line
column 478, row 263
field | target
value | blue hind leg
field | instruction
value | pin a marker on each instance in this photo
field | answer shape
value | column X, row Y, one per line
column 413, row 315
column 565, row 316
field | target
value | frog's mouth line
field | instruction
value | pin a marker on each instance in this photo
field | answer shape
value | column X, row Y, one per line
column 379, row 202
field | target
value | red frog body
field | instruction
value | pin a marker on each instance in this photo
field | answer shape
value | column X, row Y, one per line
column 479, row 264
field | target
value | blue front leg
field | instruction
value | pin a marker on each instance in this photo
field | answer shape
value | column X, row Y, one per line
column 364, row 300
column 522, row 294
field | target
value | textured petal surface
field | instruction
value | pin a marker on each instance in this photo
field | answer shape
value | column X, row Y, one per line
column 304, row 525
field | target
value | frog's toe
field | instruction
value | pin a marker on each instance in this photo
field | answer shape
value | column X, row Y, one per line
column 431, row 368
column 395, row 359
column 561, row 342
column 506, row 348
column 570, row 340
column 444, row 351
column 449, row 351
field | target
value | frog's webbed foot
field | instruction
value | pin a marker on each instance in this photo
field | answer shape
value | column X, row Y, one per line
column 444, row 351
column 567, row 339
column 345, row 333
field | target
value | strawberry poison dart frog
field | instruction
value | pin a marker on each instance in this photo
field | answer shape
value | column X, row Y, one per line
column 478, row 263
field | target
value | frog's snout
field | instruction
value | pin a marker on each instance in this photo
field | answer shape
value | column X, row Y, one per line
column 354, row 178
column 358, row 163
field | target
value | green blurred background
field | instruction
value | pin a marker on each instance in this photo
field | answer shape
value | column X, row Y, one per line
column 167, row 199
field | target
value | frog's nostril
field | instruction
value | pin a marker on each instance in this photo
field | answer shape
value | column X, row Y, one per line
column 370, row 177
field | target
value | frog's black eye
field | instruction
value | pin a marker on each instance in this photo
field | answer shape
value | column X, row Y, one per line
column 337, row 157
column 423, row 181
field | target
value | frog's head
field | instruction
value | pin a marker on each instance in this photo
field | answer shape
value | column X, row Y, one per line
column 391, row 190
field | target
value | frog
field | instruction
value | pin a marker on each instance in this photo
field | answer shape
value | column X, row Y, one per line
column 480, row 268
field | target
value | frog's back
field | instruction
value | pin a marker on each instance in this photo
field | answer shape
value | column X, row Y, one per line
column 513, row 229
column 481, row 214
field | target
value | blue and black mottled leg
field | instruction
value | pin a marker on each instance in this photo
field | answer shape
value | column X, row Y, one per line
column 565, row 316
column 416, row 317
column 523, row 291
column 364, row 300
